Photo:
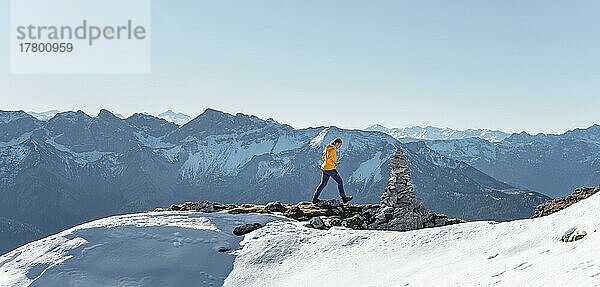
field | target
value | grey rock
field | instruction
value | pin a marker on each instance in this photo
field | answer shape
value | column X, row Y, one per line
column 317, row 223
column 246, row 228
column 275, row 207
column 329, row 203
column 336, row 222
column 223, row 249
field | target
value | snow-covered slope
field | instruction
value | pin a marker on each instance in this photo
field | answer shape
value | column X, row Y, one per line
column 153, row 249
column 182, row 248
column 435, row 133
column 518, row 253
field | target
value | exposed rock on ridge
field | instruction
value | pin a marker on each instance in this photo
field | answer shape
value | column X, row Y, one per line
column 561, row 203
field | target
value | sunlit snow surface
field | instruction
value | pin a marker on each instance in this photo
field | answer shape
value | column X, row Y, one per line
column 181, row 249
column 518, row 253
column 153, row 249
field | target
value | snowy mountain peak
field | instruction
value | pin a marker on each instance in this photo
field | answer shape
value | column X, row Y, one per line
column 70, row 116
column 156, row 127
column 210, row 113
column 15, row 127
column 523, row 137
column 108, row 115
column 271, row 120
column 377, row 127
column 176, row 118
column 148, row 118
column 215, row 122
column 44, row 116
column 591, row 133
column 10, row 116
column 144, row 116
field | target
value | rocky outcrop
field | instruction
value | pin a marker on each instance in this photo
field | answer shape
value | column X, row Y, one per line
column 331, row 212
column 561, row 203
column 400, row 208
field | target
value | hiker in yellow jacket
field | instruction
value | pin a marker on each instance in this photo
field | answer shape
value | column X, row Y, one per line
column 329, row 170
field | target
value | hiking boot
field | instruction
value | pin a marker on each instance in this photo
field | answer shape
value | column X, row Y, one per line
column 315, row 200
column 346, row 199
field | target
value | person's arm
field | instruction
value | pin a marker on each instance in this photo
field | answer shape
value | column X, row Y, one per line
column 334, row 158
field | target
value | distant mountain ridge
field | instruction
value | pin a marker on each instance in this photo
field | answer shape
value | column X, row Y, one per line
column 434, row 133
column 169, row 115
column 44, row 116
column 47, row 115
column 550, row 164
column 75, row 167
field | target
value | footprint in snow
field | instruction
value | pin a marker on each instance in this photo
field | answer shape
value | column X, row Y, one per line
column 520, row 265
column 526, row 266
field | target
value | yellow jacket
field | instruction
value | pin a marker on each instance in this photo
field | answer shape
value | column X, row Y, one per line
column 329, row 158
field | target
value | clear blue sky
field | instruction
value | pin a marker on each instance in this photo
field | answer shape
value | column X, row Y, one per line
column 509, row 65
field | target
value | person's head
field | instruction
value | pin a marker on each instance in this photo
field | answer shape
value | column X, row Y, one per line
column 337, row 142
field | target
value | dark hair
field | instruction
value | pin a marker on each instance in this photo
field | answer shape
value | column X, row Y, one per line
column 336, row 140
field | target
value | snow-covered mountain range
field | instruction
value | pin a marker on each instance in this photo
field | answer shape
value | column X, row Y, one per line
column 434, row 133
column 169, row 115
column 192, row 248
column 75, row 167
column 550, row 164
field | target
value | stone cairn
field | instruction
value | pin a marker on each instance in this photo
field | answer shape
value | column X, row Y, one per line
column 400, row 209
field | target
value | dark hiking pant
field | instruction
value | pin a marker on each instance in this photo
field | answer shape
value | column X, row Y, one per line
column 325, row 178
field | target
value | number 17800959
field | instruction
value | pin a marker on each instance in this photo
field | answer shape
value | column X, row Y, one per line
column 46, row 47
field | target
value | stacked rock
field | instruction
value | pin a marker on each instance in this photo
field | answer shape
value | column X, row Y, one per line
column 399, row 191
column 400, row 209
